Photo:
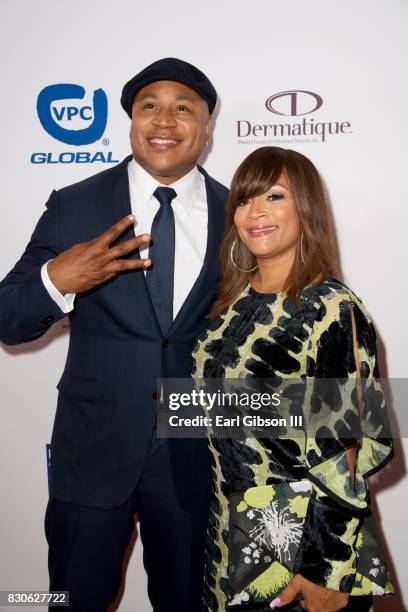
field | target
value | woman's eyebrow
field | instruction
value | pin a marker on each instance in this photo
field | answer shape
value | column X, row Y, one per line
column 280, row 185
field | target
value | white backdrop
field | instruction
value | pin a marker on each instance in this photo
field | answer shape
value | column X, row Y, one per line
column 353, row 55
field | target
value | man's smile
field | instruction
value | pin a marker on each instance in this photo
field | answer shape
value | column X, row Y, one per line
column 161, row 143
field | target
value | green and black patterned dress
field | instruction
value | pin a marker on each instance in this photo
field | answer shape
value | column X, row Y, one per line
column 287, row 505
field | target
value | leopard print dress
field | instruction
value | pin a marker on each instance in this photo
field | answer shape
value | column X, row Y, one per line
column 287, row 505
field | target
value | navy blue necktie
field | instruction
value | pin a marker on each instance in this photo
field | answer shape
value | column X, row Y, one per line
column 160, row 277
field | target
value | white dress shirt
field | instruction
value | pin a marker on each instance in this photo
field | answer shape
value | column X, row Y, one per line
column 191, row 221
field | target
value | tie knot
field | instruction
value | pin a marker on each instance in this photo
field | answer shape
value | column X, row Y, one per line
column 165, row 195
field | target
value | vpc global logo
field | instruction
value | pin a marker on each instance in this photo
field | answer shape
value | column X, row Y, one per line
column 292, row 105
column 65, row 116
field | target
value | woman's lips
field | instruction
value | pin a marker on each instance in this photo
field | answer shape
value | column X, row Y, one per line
column 261, row 230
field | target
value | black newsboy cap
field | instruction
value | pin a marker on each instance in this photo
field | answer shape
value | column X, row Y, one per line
column 169, row 69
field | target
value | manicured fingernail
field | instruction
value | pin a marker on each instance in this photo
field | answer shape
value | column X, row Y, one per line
column 147, row 263
column 131, row 217
column 146, row 238
column 276, row 603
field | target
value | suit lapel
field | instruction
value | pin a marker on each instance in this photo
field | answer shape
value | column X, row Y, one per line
column 210, row 268
column 113, row 206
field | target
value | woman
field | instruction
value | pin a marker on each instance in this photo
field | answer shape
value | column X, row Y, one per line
column 290, row 524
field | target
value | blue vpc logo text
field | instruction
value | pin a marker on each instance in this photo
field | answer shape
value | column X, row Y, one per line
column 75, row 124
column 72, row 111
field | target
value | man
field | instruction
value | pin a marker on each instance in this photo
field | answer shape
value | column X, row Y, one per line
column 136, row 306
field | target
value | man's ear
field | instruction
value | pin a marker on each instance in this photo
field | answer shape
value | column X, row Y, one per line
column 208, row 128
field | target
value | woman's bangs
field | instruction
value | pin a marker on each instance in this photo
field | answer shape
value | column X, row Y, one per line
column 254, row 179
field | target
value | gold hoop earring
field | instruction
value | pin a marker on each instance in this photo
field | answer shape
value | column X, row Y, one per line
column 233, row 262
column 301, row 248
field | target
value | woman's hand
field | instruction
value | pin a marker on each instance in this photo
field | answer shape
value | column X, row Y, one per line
column 315, row 597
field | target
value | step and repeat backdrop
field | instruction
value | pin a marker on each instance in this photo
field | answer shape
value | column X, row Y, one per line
column 325, row 78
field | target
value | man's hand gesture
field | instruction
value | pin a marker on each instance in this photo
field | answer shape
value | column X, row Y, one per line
column 88, row 264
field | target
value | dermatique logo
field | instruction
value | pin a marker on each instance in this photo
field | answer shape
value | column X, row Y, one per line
column 291, row 104
column 67, row 119
column 299, row 101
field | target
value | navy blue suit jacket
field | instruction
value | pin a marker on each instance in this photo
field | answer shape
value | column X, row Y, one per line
column 106, row 413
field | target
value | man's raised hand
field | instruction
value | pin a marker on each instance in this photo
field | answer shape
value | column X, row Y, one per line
column 88, row 264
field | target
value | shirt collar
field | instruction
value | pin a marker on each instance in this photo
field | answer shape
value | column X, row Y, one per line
column 143, row 185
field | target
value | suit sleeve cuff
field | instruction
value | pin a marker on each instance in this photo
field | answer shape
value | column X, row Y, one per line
column 64, row 302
